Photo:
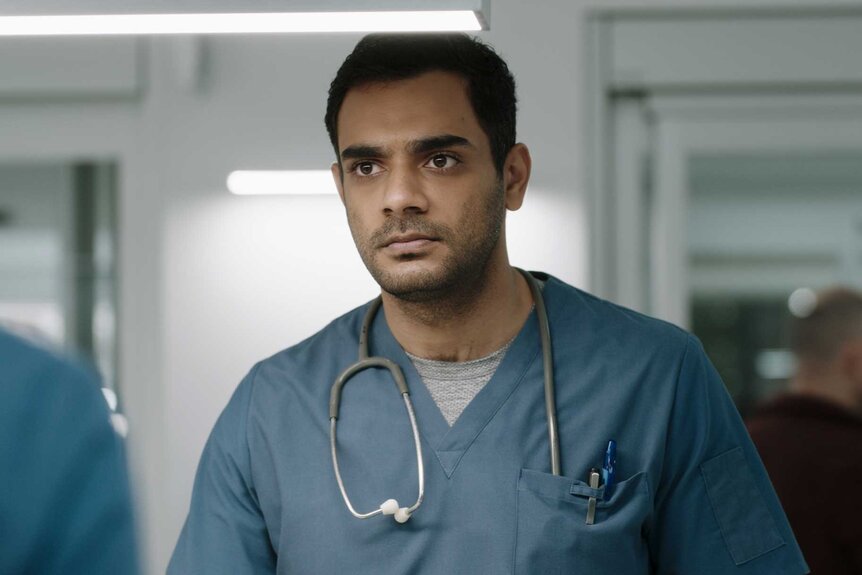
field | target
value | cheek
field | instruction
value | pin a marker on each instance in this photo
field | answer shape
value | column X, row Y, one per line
column 354, row 216
column 481, row 209
column 359, row 226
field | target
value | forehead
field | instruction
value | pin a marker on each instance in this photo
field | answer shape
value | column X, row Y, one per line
column 403, row 110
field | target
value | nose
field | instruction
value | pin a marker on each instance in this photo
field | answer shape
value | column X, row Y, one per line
column 404, row 192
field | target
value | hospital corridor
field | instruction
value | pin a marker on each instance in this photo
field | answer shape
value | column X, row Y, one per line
column 569, row 286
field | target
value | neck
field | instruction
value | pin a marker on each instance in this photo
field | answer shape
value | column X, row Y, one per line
column 472, row 323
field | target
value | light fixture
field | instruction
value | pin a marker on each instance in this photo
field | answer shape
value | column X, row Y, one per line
column 287, row 182
column 136, row 17
column 802, row 302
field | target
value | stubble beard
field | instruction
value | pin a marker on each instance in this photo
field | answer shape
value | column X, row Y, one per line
column 464, row 268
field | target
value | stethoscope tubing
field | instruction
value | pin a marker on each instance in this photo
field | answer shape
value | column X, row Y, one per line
column 366, row 362
column 335, row 404
column 547, row 370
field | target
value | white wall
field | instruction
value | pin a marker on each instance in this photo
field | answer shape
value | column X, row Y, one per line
column 211, row 283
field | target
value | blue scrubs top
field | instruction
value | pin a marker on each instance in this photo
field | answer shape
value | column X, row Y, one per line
column 692, row 496
column 65, row 504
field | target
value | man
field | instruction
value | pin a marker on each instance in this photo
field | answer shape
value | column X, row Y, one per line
column 813, row 434
column 65, row 505
column 427, row 165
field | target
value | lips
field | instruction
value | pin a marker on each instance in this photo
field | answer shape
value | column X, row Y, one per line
column 408, row 243
column 407, row 238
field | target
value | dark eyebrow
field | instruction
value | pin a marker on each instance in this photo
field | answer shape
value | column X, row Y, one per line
column 361, row 151
column 420, row 146
column 425, row 145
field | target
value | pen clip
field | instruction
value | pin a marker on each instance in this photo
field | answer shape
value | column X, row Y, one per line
column 593, row 482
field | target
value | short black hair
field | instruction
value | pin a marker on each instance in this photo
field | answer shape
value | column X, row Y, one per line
column 388, row 57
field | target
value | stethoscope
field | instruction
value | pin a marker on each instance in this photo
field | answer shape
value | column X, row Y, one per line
column 390, row 506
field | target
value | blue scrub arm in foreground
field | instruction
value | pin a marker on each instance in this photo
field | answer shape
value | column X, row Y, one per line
column 65, row 505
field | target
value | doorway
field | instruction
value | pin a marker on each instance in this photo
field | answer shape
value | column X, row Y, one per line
column 728, row 154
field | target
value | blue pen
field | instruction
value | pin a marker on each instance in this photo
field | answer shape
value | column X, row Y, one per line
column 609, row 468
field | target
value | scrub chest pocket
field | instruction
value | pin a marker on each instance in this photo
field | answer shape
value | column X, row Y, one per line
column 552, row 534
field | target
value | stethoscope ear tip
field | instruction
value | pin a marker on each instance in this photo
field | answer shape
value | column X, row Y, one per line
column 390, row 507
column 402, row 515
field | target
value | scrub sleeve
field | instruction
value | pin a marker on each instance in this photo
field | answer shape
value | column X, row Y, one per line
column 225, row 524
column 715, row 510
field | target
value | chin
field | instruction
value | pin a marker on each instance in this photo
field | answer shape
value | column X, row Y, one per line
column 413, row 281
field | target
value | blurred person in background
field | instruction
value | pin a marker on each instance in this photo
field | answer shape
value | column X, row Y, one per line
column 65, row 504
column 810, row 438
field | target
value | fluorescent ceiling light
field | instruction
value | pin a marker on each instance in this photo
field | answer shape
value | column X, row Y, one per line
column 290, row 182
column 96, row 17
column 133, row 24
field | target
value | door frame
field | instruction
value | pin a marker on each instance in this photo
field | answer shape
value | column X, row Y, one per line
column 631, row 187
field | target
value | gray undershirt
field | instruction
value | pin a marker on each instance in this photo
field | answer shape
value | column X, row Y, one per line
column 454, row 384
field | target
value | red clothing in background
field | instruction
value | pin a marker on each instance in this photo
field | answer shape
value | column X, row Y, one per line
column 812, row 450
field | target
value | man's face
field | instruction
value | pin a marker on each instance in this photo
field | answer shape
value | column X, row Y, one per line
column 424, row 203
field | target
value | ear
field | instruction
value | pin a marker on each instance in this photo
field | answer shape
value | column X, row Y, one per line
column 516, row 175
column 335, row 168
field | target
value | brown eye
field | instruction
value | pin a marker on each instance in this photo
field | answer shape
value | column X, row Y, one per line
column 442, row 162
column 365, row 169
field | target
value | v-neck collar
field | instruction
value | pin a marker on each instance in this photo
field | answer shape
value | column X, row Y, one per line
column 449, row 444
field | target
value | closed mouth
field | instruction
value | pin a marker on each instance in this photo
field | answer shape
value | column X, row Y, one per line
column 406, row 238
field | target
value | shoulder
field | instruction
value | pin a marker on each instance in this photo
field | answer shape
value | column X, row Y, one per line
column 344, row 327
column 22, row 360
column 283, row 387
column 302, row 368
column 318, row 349
column 32, row 379
column 595, row 322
